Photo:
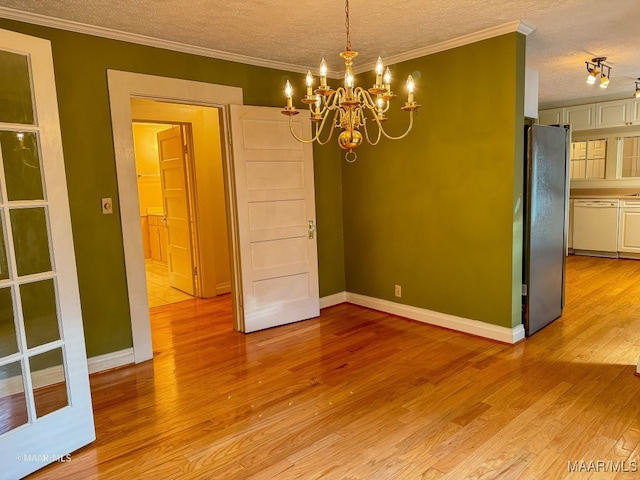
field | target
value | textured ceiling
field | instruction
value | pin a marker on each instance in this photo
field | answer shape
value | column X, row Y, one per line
column 568, row 32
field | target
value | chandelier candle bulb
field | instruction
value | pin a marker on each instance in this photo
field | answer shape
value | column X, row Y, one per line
column 323, row 73
column 379, row 70
column 288, row 91
column 309, row 84
column 387, row 80
column 410, row 87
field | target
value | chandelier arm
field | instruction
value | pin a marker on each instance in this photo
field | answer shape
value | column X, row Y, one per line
column 366, row 132
column 333, row 127
column 337, row 95
column 406, row 131
column 315, row 138
column 366, row 98
column 320, row 129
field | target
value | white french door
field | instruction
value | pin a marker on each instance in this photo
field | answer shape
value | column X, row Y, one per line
column 275, row 203
column 45, row 402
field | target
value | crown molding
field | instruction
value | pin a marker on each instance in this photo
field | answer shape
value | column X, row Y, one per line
column 112, row 34
column 516, row 26
column 77, row 27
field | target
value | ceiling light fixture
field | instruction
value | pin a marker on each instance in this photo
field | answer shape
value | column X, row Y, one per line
column 349, row 103
column 637, row 94
column 595, row 67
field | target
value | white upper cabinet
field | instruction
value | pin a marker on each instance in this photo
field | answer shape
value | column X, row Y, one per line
column 618, row 113
column 553, row 116
column 581, row 117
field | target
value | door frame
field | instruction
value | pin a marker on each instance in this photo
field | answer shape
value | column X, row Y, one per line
column 122, row 86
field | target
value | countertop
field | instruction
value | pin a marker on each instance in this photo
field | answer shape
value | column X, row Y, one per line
column 596, row 193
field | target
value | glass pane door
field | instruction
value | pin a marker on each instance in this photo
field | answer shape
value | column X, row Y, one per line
column 45, row 404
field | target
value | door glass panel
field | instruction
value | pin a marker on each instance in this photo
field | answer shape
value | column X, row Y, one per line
column 30, row 240
column 4, row 266
column 631, row 156
column 13, row 404
column 16, row 105
column 8, row 339
column 588, row 159
column 49, row 382
column 40, row 312
column 21, row 165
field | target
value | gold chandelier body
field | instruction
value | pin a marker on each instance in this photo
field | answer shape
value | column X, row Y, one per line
column 347, row 106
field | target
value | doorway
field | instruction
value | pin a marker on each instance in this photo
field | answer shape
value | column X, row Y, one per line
column 153, row 221
column 183, row 214
column 123, row 87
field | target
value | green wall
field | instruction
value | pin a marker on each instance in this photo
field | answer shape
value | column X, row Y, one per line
column 81, row 63
column 434, row 212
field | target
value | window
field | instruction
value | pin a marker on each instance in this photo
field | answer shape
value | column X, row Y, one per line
column 630, row 156
column 588, row 159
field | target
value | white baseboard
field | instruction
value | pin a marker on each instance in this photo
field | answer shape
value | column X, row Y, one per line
column 335, row 299
column 53, row 375
column 223, row 288
column 460, row 324
column 111, row 360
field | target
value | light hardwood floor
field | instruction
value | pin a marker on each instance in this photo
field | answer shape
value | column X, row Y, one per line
column 359, row 394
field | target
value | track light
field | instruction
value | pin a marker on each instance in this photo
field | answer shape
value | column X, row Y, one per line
column 595, row 67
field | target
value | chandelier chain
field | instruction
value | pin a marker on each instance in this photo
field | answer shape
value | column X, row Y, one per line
column 346, row 24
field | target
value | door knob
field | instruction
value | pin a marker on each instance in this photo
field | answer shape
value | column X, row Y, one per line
column 312, row 229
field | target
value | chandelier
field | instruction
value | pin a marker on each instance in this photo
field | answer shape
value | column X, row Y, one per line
column 348, row 105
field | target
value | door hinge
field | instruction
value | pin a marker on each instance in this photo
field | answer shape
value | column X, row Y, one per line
column 524, row 289
column 195, row 271
column 186, row 149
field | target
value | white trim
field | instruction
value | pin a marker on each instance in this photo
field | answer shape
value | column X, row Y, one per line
column 122, row 86
column 111, row 360
column 39, row 379
column 53, row 375
column 71, row 26
column 473, row 327
column 223, row 288
column 110, row 33
column 331, row 300
column 515, row 26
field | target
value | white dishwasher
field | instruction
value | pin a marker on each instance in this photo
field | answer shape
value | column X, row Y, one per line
column 595, row 227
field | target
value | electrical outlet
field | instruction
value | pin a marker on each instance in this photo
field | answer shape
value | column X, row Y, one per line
column 398, row 291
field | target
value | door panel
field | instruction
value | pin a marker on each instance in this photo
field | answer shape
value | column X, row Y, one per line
column 45, row 402
column 175, row 196
column 275, row 203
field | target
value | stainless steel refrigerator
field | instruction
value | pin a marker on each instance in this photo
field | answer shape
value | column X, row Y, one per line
column 545, row 224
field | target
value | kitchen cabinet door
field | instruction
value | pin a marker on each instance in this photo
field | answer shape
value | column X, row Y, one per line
column 581, row 117
column 553, row 116
column 612, row 114
column 629, row 234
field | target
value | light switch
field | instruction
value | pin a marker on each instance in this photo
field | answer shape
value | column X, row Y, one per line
column 107, row 206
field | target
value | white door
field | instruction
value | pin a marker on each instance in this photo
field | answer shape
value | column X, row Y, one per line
column 45, row 401
column 173, row 175
column 275, row 218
